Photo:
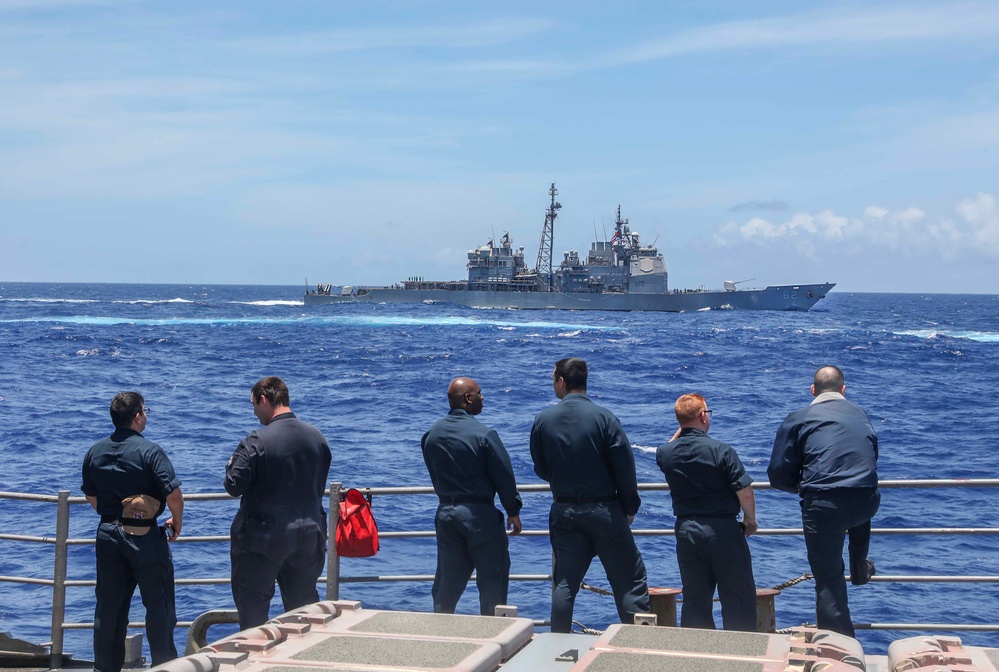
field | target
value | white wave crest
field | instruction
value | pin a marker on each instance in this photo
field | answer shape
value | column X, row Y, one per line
column 448, row 321
column 933, row 334
column 339, row 320
column 30, row 300
column 273, row 302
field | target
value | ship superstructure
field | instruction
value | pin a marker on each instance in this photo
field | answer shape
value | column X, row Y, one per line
column 617, row 274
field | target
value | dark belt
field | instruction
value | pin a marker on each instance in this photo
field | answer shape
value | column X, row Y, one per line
column 716, row 516
column 573, row 499
column 468, row 499
column 132, row 522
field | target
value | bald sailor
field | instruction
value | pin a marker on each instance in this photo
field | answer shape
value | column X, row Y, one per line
column 469, row 466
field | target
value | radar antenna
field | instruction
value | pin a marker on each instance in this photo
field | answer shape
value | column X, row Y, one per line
column 546, row 277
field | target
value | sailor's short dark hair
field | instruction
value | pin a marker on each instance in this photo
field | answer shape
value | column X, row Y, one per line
column 573, row 371
column 273, row 389
column 124, row 407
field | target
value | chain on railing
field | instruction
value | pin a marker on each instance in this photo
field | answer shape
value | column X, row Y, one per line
column 795, row 581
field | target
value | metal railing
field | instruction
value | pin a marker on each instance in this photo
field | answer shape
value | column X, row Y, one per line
column 61, row 541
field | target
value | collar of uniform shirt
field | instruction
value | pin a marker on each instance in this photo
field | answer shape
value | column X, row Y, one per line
column 827, row 396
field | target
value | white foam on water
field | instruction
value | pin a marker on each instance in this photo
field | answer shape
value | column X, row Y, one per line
column 932, row 334
column 274, row 302
column 354, row 321
column 31, row 300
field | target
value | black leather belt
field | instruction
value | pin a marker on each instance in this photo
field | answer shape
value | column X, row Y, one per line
column 132, row 522
column 574, row 499
column 470, row 499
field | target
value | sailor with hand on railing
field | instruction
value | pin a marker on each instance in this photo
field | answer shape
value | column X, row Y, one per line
column 708, row 485
column 828, row 453
column 469, row 466
column 126, row 478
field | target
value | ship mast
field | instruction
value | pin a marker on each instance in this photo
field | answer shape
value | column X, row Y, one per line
column 624, row 242
column 544, row 269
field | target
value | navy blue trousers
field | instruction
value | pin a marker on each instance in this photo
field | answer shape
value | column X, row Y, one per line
column 828, row 517
column 470, row 536
column 293, row 556
column 713, row 552
column 125, row 561
column 580, row 532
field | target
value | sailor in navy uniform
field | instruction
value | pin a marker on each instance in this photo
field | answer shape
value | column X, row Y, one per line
column 132, row 552
column 827, row 452
column 708, row 486
column 582, row 451
column 469, row 466
column 279, row 533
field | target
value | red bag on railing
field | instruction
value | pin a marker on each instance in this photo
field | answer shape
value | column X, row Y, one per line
column 356, row 532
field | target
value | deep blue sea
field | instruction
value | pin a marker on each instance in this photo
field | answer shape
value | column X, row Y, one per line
column 373, row 379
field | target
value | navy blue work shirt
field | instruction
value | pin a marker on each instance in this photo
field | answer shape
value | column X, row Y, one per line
column 581, row 449
column 282, row 465
column 703, row 475
column 126, row 464
column 467, row 459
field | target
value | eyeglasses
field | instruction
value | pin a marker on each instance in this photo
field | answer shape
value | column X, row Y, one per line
column 145, row 410
column 708, row 412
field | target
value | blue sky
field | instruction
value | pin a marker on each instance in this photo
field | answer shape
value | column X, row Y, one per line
column 363, row 143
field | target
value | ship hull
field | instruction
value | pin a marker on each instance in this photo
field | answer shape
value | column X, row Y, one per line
column 777, row 297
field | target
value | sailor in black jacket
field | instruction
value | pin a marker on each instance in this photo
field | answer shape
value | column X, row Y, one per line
column 828, row 454
column 469, row 466
column 581, row 449
column 279, row 533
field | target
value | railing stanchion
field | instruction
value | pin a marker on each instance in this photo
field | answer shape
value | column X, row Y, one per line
column 333, row 562
column 59, row 579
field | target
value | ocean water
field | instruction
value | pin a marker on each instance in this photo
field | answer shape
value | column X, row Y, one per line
column 373, row 379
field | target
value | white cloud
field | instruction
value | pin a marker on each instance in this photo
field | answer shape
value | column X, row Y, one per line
column 906, row 231
column 982, row 216
column 910, row 22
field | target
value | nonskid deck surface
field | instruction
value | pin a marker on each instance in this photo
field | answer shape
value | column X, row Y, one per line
column 342, row 636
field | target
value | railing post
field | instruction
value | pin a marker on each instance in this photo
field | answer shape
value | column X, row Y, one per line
column 333, row 562
column 59, row 579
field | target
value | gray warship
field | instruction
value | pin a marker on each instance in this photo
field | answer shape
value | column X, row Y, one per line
column 617, row 274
